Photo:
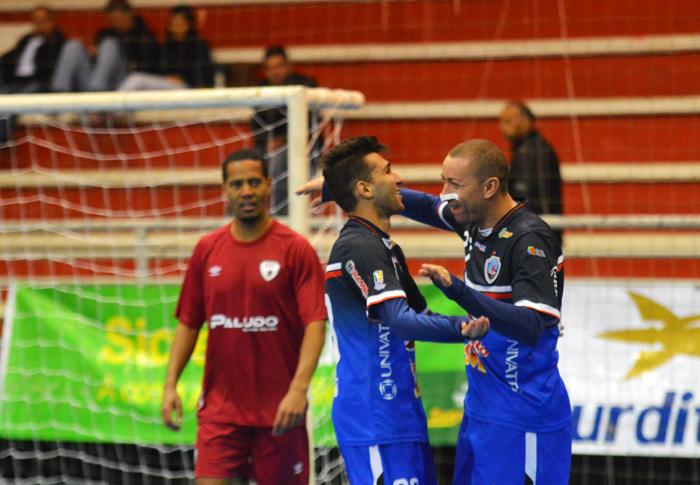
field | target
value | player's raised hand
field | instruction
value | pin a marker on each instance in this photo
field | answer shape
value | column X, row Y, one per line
column 311, row 186
column 476, row 328
column 436, row 273
column 171, row 402
column 290, row 412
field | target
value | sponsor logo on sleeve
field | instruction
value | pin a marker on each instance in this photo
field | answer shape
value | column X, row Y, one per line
column 269, row 269
column 378, row 277
column 491, row 268
column 350, row 268
column 504, row 234
column 533, row 251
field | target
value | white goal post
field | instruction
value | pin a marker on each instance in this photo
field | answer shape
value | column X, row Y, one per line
column 298, row 101
column 102, row 197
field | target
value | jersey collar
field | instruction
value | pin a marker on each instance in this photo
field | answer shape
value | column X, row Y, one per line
column 521, row 203
column 380, row 234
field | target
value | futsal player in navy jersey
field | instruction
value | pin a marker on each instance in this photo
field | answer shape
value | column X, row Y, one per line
column 517, row 423
column 375, row 311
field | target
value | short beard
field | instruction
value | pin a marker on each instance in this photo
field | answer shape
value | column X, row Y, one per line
column 251, row 220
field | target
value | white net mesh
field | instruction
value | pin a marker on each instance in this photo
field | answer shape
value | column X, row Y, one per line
column 101, row 210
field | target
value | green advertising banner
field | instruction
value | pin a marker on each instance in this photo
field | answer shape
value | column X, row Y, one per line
column 87, row 363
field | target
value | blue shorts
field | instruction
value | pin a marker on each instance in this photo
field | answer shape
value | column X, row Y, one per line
column 488, row 453
column 395, row 464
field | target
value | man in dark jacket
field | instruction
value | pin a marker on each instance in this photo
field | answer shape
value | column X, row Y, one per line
column 270, row 125
column 534, row 168
column 28, row 67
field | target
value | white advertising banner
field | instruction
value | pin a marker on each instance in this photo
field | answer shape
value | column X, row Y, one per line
column 630, row 358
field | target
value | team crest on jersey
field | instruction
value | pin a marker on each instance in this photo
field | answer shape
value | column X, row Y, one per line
column 474, row 350
column 491, row 268
column 378, row 277
column 269, row 269
column 504, row 234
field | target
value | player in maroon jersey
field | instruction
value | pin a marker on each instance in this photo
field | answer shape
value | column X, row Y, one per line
column 260, row 286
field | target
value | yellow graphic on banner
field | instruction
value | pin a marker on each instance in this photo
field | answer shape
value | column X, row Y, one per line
column 676, row 336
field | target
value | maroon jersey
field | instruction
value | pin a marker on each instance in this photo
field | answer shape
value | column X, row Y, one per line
column 258, row 298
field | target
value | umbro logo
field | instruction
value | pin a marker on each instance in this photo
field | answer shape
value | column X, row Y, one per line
column 214, row 271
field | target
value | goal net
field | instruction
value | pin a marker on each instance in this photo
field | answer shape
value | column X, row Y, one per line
column 103, row 199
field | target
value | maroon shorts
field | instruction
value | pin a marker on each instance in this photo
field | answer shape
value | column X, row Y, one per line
column 227, row 451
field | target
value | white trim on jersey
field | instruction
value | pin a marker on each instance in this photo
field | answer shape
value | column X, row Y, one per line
column 560, row 260
column 375, row 462
column 425, row 312
column 442, row 218
column 488, row 289
column 386, row 295
column 334, row 267
column 531, row 456
column 540, row 307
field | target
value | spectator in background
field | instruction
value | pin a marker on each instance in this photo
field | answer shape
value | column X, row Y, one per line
column 126, row 46
column 28, row 67
column 534, row 168
column 270, row 125
column 185, row 59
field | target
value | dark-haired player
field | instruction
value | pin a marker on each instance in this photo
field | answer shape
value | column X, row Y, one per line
column 260, row 287
column 517, row 423
column 375, row 311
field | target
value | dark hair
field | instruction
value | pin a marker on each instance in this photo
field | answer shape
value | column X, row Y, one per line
column 486, row 161
column 275, row 50
column 239, row 156
column 186, row 12
column 50, row 11
column 345, row 165
column 523, row 109
column 117, row 6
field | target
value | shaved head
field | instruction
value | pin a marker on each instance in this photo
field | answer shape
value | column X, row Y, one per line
column 485, row 159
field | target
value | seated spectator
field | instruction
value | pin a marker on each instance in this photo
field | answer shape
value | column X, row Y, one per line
column 270, row 125
column 126, row 46
column 28, row 67
column 185, row 58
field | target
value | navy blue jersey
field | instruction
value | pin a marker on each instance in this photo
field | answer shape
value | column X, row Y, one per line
column 518, row 262
column 376, row 400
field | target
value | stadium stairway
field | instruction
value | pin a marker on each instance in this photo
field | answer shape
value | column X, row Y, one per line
column 634, row 136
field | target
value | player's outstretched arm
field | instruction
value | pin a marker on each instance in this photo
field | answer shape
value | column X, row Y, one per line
column 315, row 185
column 521, row 324
column 181, row 350
column 406, row 324
column 292, row 408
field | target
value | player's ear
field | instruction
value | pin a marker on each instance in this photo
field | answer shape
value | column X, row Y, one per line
column 491, row 187
column 363, row 189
